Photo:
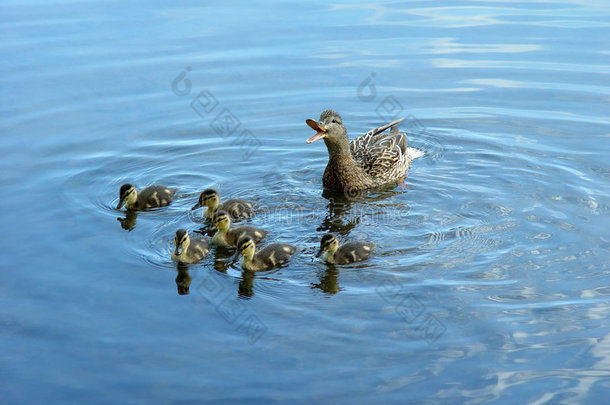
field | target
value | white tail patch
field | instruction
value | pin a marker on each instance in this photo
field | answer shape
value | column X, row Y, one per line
column 367, row 248
column 287, row 249
column 413, row 153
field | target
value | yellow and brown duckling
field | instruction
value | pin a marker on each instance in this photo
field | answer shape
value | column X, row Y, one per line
column 236, row 207
column 189, row 250
column 270, row 256
column 150, row 197
column 369, row 161
column 347, row 253
column 227, row 236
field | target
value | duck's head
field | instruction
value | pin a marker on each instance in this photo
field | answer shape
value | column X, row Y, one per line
column 208, row 198
column 181, row 241
column 127, row 195
column 328, row 243
column 222, row 221
column 330, row 128
column 246, row 247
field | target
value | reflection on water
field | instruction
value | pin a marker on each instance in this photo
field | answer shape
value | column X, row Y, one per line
column 329, row 280
column 129, row 221
column 345, row 212
column 336, row 220
column 183, row 279
column 224, row 258
column 246, row 283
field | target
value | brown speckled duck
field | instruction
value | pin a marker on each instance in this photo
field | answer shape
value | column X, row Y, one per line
column 369, row 161
column 151, row 197
column 349, row 252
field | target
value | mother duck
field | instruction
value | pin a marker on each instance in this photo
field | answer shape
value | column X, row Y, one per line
column 369, row 161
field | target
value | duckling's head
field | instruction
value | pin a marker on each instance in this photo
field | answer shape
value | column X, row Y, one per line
column 182, row 241
column 330, row 128
column 222, row 220
column 208, row 198
column 246, row 247
column 127, row 195
column 329, row 243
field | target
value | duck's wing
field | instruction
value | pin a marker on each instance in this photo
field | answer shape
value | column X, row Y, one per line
column 383, row 155
column 372, row 137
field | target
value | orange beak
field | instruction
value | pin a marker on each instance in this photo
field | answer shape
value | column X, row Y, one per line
column 320, row 131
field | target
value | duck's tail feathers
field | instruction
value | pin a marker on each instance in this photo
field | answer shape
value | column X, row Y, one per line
column 413, row 153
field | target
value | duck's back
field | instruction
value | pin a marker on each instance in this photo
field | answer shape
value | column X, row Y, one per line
column 198, row 249
column 237, row 208
column 382, row 155
column 353, row 252
column 237, row 232
column 275, row 254
column 155, row 196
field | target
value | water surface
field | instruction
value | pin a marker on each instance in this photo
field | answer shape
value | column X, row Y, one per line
column 490, row 279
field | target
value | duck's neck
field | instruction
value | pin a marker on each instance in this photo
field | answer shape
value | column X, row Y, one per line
column 209, row 213
column 338, row 148
column 246, row 262
column 329, row 256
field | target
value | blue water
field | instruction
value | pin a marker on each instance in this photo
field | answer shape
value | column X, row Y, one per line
column 490, row 281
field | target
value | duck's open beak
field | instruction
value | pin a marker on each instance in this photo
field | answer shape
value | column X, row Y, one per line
column 320, row 130
column 178, row 250
column 198, row 205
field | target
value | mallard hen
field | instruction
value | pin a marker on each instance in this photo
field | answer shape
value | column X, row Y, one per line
column 371, row 160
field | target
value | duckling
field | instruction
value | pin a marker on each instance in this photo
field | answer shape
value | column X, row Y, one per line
column 227, row 236
column 236, row 207
column 267, row 258
column 347, row 253
column 187, row 250
column 150, row 197
column 368, row 161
